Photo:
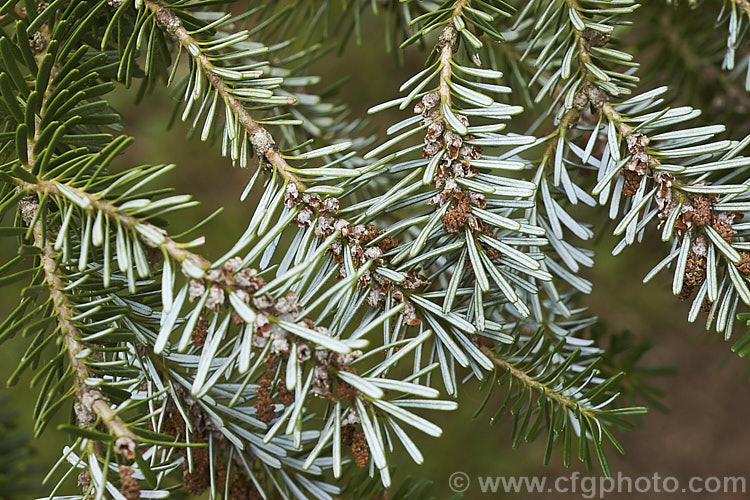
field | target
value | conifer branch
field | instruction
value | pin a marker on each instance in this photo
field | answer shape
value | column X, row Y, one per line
column 588, row 93
column 90, row 399
column 314, row 300
column 447, row 46
column 151, row 235
column 598, row 98
column 528, row 381
column 261, row 140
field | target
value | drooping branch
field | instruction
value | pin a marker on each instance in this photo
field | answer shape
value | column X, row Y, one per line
column 90, row 401
column 261, row 140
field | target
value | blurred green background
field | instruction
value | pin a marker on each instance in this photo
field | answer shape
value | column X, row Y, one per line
column 705, row 433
